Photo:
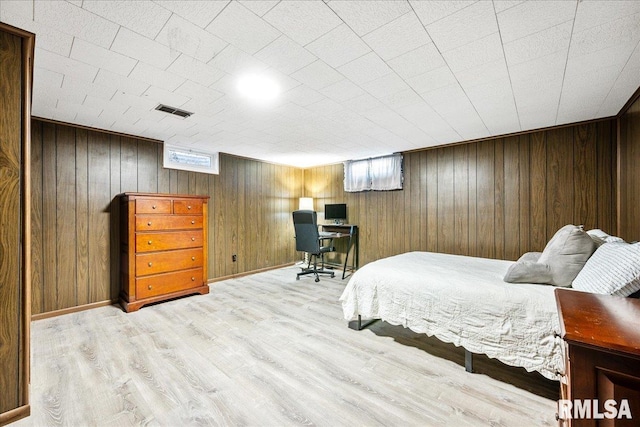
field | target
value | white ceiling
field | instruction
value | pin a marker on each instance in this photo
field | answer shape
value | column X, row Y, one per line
column 358, row 78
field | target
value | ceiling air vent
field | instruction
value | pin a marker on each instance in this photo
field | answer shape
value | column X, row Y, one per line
column 173, row 110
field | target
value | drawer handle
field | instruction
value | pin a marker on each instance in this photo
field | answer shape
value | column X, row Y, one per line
column 153, row 207
column 149, row 242
column 189, row 207
column 149, row 287
column 149, row 223
column 150, row 264
column 193, row 279
column 193, row 239
column 193, row 258
column 193, row 221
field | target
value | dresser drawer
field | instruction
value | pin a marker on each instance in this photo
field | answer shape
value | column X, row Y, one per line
column 187, row 206
column 153, row 206
column 160, row 284
column 147, row 242
column 162, row 262
column 167, row 222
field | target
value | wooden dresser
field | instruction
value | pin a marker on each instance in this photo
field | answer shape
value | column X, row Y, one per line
column 164, row 247
column 602, row 337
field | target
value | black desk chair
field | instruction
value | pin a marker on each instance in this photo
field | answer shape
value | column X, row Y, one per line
column 308, row 240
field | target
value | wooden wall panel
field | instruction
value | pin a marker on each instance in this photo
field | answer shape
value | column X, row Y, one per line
column 496, row 198
column 629, row 174
column 78, row 173
column 16, row 55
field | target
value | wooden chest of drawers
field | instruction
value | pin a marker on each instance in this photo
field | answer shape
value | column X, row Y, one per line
column 164, row 247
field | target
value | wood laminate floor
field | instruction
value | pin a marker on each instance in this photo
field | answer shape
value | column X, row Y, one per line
column 265, row 350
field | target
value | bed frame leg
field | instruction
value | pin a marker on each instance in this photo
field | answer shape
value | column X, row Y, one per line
column 468, row 361
column 358, row 325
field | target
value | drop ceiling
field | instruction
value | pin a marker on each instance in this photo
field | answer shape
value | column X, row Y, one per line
column 357, row 78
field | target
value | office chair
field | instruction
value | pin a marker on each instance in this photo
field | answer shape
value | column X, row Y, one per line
column 308, row 240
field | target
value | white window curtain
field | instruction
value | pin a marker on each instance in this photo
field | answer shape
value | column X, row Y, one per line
column 379, row 173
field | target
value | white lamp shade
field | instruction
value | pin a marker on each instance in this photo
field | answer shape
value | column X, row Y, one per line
column 306, row 204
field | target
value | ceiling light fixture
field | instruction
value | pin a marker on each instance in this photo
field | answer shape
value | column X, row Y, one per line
column 258, row 87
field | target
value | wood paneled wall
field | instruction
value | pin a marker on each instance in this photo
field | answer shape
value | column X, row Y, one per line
column 16, row 53
column 77, row 173
column 495, row 198
column 629, row 173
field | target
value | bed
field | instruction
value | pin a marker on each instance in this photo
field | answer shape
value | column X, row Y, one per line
column 462, row 300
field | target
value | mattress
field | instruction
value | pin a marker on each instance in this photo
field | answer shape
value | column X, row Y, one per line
column 462, row 300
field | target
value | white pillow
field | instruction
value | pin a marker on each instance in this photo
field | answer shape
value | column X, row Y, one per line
column 613, row 269
column 601, row 237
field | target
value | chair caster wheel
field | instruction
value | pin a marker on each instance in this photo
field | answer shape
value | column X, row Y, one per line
column 317, row 279
column 297, row 277
column 332, row 275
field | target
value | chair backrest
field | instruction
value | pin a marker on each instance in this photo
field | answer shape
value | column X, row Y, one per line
column 306, row 228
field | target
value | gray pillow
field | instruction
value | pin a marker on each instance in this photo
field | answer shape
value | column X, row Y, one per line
column 528, row 272
column 566, row 253
column 530, row 256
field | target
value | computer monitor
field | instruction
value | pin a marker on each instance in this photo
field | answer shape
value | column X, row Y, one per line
column 336, row 212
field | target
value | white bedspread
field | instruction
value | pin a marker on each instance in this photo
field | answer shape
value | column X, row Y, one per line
column 464, row 301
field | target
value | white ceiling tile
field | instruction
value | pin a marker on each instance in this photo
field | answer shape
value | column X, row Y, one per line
column 200, row 12
column 547, row 68
column 259, row 7
column 475, row 54
column 503, row 5
column 285, row 55
column 364, row 16
column 462, row 27
column 63, row 65
column 303, row 22
column 398, row 37
column 303, row 95
column 362, row 103
column 143, row 17
column 595, row 13
column 317, row 75
column 87, row 88
column 486, row 73
column 432, row 80
column 325, row 107
column 232, row 23
column 539, row 44
column 191, row 89
column 185, row 37
column 401, row 99
column 163, row 96
column 104, row 105
column 342, row 90
column 195, row 70
column 365, row 69
column 338, row 46
column 134, row 101
column 533, row 16
column 616, row 56
column 625, row 84
column 101, row 58
column 44, row 79
column 418, row 61
column 432, row 11
column 621, row 31
column 445, row 95
column 75, row 21
column 284, row 82
column 232, row 60
column 143, row 49
column 156, row 77
column 121, row 83
column 19, row 13
column 385, row 86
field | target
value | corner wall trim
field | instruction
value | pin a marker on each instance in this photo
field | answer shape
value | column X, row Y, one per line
column 15, row 415
column 247, row 273
column 69, row 310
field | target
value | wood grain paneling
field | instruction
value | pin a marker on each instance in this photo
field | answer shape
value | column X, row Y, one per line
column 78, row 172
column 16, row 53
column 496, row 198
column 629, row 173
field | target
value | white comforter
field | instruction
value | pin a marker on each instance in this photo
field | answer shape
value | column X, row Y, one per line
column 464, row 301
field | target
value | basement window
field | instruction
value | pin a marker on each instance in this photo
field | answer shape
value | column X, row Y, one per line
column 378, row 174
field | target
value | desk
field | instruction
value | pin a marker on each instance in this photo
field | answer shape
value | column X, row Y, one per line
column 343, row 231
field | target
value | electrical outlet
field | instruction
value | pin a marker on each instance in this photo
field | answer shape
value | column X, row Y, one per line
column 234, row 257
